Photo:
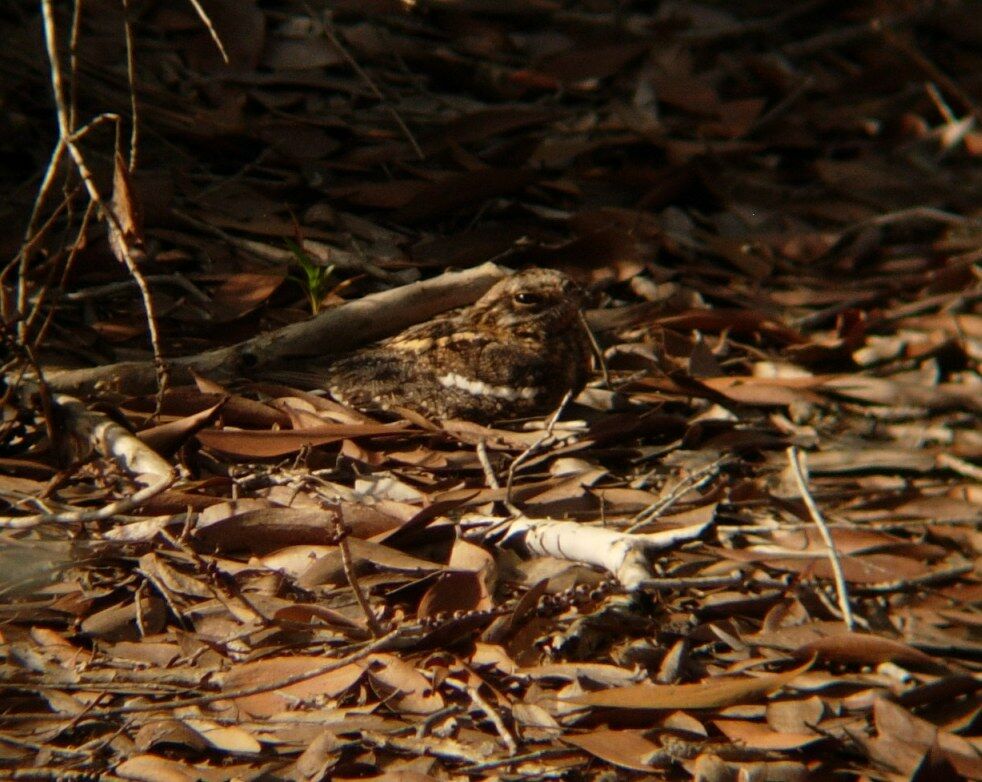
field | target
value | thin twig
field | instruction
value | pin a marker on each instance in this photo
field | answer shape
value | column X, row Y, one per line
column 124, row 286
column 37, row 747
column 69, row 138
column 959, row 466
column 30, row 238
column 211, row 29
column 932, row 71
column 691, row 482
column 821, row 593
column 841, row 589
column 482, row 456
column 781, row 107
column 542, row 754
column 425, row 727
column 73, row 63
column 492, row 479
column 694, row 582
column 492, row 714
column 131, row 81
column 124, row 505
column 37, row 308
column 916, row 582
column 939, row 102
column 138, row 606
column 347, row 563
column 329, row 33
column 33, row 233
column 601, row 361
column 546, row 439
column 378, row 644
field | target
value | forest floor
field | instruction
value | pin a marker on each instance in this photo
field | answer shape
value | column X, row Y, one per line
column 777, row 211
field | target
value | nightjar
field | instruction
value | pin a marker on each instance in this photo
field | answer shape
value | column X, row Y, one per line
column 516, row 352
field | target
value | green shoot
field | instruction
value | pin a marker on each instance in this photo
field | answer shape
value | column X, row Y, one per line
column 313, row 278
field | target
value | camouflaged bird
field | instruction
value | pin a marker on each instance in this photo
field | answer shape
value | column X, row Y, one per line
column 516, row 352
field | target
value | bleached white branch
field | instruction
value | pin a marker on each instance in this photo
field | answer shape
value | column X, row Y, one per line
column 627, row 556
column 100, row 433
column 111, row 439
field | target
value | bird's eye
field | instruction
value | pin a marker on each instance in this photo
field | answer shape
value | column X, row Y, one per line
column 528, row 299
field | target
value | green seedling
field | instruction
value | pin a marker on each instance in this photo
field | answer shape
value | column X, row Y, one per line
column 313, row 278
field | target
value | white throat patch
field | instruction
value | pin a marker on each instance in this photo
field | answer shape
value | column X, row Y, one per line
column 478, row 387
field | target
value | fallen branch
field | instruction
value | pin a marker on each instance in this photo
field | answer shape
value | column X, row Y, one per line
column 333, row 331
column 627, row 556
column 111, row 440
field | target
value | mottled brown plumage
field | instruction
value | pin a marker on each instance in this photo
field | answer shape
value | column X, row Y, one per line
column 516, row 352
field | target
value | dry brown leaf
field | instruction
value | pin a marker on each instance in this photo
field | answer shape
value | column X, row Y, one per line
column 869, row 649
column 454, row 591
column 709, row 694
column 126, row 621
column 629, row 749
column 282, row 697
column 126, row 230
column 165, row 439
column 403, row 687
column 329, row 569
column 264, row 445
column 241, row 293
column 755, row 735
column 153, row 768
column 262, row 530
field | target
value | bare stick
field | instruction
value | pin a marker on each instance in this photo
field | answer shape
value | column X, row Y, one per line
column 30, row 238
column 124, row 286
column 336, row 43
column 492, row 714
column 931, row 70
column 73, row 64
column 601, row 361
column 377, row 645
column 917, row 582
column 111, row 440
column 693, row 582
column 69, row 138
column 552, row 752
column 544, row 441
column 124, row 505
column 960, row 466
column 841, row 589
column 332, row 331
column 211, row 29
column 626, row 556
column 482, row 457
column 57, row 85
column 348, row 565
column 65, row 273
column 691, row 482
column 131, row 80
column 33, row 233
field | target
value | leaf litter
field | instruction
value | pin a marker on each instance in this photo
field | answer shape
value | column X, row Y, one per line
column 776, row 209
